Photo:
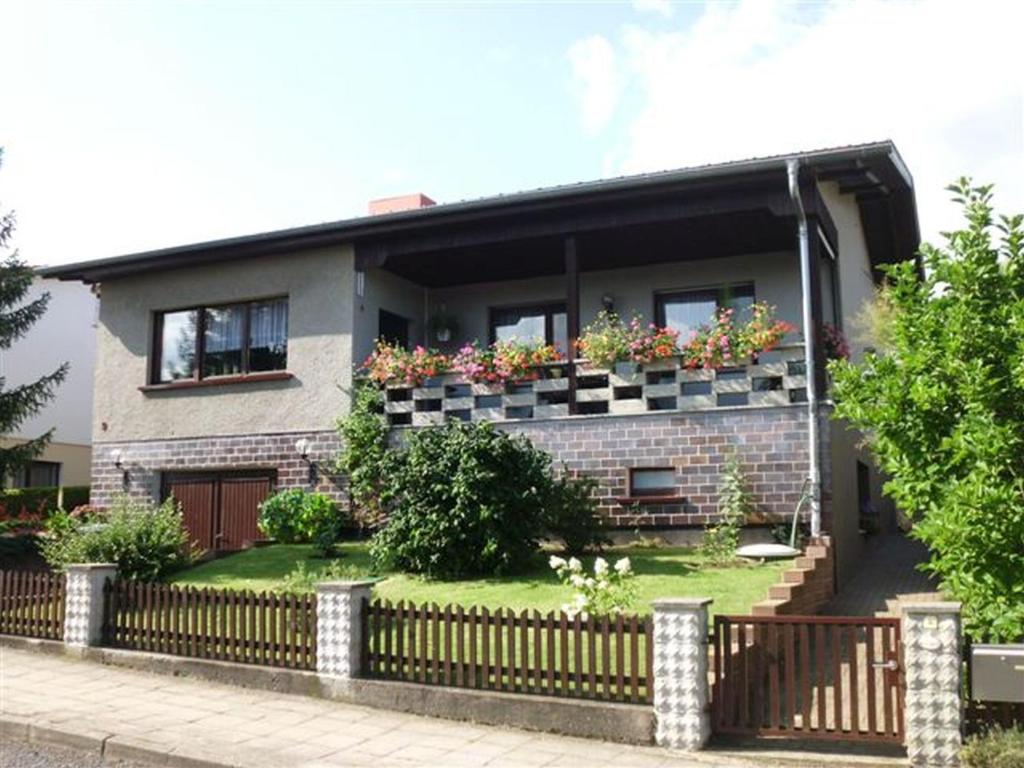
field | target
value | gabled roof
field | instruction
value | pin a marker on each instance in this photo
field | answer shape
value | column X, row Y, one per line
column 870, row 171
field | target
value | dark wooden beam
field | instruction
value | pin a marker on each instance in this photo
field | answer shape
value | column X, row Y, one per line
column 572, row 311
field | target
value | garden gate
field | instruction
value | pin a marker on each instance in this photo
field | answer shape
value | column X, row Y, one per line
column 808, row 677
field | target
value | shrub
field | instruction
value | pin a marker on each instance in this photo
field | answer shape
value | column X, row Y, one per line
column 942, row 403
column 364, row 458
column 608, row 590
column 296, row 515
column 464, row 500
column 570, row 514
column 146, row 541
column 997, row 748
column 34, row 504
column 721, row 539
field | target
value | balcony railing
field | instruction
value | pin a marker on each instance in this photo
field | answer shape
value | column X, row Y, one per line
column 775, row 378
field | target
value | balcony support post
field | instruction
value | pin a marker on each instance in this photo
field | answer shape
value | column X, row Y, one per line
column 572, row 313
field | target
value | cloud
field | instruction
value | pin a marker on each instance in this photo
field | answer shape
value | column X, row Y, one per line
column 660, row 7
column 597, row 82
column 943, row 80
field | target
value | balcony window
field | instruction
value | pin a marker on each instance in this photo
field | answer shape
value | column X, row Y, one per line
column 686, row 311
column 219, row 341
column 540, row 324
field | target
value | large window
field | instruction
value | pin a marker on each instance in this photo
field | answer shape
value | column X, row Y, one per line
column 545, row 324
column 226, row 340
column 37, row 474
column 686, row 311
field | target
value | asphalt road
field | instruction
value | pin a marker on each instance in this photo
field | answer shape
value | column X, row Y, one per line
column 18, row 754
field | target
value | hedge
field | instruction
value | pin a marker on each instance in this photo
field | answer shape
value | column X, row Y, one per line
column 27, row 502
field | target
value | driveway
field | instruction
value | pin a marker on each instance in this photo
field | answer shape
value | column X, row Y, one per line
column 886, row 574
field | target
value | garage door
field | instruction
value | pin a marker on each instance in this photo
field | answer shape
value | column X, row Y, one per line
column 220, row 509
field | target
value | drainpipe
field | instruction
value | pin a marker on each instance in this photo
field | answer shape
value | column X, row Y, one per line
column 813, row 438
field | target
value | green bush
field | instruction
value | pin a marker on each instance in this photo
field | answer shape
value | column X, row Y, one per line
column 722, row 538
column 25, row 502
column 147, row 542
column 364, row 457
column 997, row 748
column 297, row 516
column 464, row 500
column 570, row 514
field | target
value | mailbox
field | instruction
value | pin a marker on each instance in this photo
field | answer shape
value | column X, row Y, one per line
column 997, row 672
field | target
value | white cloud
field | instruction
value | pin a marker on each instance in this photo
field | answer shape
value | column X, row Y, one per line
column 660, row 7
column 943, row 80
column 596, row 81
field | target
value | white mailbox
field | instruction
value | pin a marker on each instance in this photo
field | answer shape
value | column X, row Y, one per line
column 997, row 672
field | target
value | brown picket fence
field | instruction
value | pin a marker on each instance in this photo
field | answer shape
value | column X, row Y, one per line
column 592, row 657
column 982, row 715
column 268, row 629
column 32, row 604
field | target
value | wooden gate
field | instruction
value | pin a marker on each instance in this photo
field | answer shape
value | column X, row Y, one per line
column 220, row 509
column 808, row 677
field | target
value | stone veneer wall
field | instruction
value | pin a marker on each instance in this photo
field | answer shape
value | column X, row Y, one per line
column 147, row 460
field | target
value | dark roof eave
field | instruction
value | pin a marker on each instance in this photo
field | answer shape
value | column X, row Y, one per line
column 332, row 233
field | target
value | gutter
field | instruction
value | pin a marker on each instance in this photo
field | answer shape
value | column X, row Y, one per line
column 813, row 436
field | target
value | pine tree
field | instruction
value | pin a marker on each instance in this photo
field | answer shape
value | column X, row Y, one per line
column 16, row 317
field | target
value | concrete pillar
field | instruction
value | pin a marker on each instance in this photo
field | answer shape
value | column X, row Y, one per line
column 83, row 602
column 339, row 627
column 681, row 696
column 932, row 663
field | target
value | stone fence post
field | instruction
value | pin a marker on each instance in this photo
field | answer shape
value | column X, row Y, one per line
column 681, row 700
column 932, row 665
column 339, row 627
column 83, row 602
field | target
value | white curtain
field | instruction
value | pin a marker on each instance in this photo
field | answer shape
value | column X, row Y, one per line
column 268, row 324
column 224, row 328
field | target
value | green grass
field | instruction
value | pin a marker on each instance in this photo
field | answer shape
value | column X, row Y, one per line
column 666, row 572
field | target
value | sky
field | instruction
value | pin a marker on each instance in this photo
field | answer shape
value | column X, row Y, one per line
column 129, row 126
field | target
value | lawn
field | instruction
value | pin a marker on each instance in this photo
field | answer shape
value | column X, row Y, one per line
column 664, row 572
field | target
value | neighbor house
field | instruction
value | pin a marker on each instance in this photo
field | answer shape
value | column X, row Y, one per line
column 65, row 333
column 224, row 366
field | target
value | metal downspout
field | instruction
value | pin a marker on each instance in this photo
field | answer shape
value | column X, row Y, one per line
column 813, row 437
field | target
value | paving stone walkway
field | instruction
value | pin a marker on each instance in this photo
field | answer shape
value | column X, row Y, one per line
column 886, row 574
column 187, row 720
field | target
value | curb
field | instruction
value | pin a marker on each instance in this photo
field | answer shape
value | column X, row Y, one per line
column 109, row 747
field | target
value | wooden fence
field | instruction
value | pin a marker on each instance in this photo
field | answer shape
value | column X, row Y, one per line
column 32, row 604
column 597, row 657
column 981, row 715
column 227, row 625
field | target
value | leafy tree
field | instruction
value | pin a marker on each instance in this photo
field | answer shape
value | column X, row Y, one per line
column 19, row 403
column 942, row 403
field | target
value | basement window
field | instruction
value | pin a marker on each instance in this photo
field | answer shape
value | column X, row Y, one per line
column 655, row 481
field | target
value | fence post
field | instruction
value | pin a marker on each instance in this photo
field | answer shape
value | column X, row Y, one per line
column 339, row 627
column 681, row 673
column 932, row 660
column 83, row 602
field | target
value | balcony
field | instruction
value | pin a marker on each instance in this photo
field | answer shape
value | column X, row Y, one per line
column 776, row 378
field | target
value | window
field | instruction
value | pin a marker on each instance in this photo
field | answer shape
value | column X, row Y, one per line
column 829, row 292
column 37, row 474
column 658, row 481
column 226, row 340
column 686, row 311
column 544, row 324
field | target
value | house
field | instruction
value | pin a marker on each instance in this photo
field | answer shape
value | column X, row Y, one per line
column 223, row 366
column 65, row 333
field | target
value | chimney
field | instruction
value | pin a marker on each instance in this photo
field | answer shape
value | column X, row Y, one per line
column 400, row 203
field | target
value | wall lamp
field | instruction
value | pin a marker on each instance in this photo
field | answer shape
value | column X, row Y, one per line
column 608, row 303
column 302, row 446
column 117, row 456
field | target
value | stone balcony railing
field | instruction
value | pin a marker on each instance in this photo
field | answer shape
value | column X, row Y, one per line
column 776, row 378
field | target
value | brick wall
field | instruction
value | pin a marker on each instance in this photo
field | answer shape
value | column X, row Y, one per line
column 145, row 461
column 804, row 588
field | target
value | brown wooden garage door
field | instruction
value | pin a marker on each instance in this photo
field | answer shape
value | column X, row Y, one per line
column 220, row 509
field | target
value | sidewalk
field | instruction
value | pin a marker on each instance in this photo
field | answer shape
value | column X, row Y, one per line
column 177, row 721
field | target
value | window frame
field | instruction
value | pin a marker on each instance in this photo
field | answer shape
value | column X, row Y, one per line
column 25, row 474
column 660, row 492
column 157, row 351
column 720, row 291
column 550, row 309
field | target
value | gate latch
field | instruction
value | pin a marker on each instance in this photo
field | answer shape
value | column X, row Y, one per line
column 892, row 665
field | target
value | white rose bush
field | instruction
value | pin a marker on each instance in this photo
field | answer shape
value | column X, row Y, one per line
column 609, row 589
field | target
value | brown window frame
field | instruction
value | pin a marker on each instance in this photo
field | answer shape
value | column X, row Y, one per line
column 550, row 309
column 156, row 347
column 668, row 491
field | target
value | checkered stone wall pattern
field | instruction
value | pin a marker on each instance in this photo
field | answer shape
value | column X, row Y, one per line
column 339, row 627
column 83, row 602
column 681, row 673
column 145, row 461
column 932, row 660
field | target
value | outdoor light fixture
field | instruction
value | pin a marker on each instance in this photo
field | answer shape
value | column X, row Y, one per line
column 117, row 456
column 302, row 448
column 608, row 302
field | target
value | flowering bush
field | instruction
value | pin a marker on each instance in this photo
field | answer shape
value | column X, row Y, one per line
column 507, row 360
column 609, row 589
column 390, row 363
column 608, row 340
column 725, row 342
column 834, row 343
